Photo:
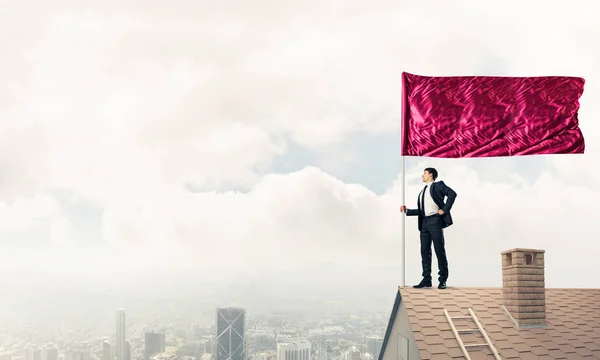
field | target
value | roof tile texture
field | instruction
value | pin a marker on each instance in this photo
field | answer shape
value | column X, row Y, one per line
column 572, row 332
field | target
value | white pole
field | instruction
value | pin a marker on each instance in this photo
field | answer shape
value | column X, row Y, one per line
column 403, row 221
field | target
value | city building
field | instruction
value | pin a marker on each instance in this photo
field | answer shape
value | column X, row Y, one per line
column 230, row 334
column 129, row 351
column 208, row 346
column 374, row 346
column 106, row 351
column 297, row 350
column 50, row 353
column 34, row 353
column 190, row 334
column 154, row 343
column 322, row 350
column 521, row 320
column 121, row 347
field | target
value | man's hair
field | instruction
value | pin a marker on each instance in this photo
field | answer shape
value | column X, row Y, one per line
column 433, row 172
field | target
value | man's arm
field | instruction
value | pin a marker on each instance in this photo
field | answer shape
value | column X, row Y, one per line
column 451, row 194
column 409, row 212
column 412, row 212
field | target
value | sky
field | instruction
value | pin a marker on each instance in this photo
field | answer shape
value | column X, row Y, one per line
column 258, row 141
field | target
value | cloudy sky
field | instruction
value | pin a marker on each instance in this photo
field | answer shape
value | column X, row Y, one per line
column 261, row 138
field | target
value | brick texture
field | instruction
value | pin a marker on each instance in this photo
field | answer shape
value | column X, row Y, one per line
column 523, row 285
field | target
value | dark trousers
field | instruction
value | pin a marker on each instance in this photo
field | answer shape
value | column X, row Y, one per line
column 432, row 231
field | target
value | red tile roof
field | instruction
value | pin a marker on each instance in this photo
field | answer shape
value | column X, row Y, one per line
column 572, row 330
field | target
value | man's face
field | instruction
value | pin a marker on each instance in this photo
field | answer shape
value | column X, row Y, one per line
column 426, row 176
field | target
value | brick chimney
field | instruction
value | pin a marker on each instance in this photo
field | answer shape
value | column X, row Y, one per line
column 523, row 286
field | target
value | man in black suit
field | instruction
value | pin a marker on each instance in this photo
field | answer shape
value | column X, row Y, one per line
column 434, row 216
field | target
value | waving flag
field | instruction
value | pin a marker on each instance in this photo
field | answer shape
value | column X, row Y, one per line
column 487, row 116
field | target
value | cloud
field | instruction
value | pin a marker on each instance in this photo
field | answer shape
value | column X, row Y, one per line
column 305, row 220
column 161, row 96
column 143, row 87
column 155, row 114
column 38, row 214
column 294, row 219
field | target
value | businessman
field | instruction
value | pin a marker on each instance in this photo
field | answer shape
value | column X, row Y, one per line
column 433, row 216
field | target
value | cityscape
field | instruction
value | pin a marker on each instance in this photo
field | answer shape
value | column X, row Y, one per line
column 233, row 334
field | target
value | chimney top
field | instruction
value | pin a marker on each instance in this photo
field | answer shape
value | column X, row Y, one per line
column 523, row 257
column 523, row 249
column 523, row 285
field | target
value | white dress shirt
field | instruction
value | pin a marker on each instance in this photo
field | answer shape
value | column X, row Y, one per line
column 431, row 207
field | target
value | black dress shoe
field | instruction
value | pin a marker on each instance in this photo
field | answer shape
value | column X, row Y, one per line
column 442, row 285
column 423, row 284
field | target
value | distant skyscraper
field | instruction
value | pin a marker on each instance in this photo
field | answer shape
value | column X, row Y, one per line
column 374, row 344
column 106, row 355
column 294, row 351
column 50, row 353
column 230, row 334
column 322, row 350
column 129, row 353
column 34, row 353
column 154, row 343
column 121, row 352
column 208, row 346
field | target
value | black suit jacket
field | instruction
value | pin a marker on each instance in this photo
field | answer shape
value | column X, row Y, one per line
column 439, row 191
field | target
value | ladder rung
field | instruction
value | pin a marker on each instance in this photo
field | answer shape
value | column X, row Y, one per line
column 464, row 346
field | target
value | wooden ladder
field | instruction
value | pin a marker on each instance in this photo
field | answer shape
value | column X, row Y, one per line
column 457, row 332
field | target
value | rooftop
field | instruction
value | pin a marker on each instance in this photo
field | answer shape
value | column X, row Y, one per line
column 572, row 328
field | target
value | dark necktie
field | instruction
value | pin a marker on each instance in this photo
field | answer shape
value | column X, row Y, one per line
column 423, row 201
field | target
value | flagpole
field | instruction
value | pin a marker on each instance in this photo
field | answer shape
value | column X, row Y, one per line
column 403, row 110
column 403, row 220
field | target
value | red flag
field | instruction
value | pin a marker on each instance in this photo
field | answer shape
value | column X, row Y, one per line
column 486, row 116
